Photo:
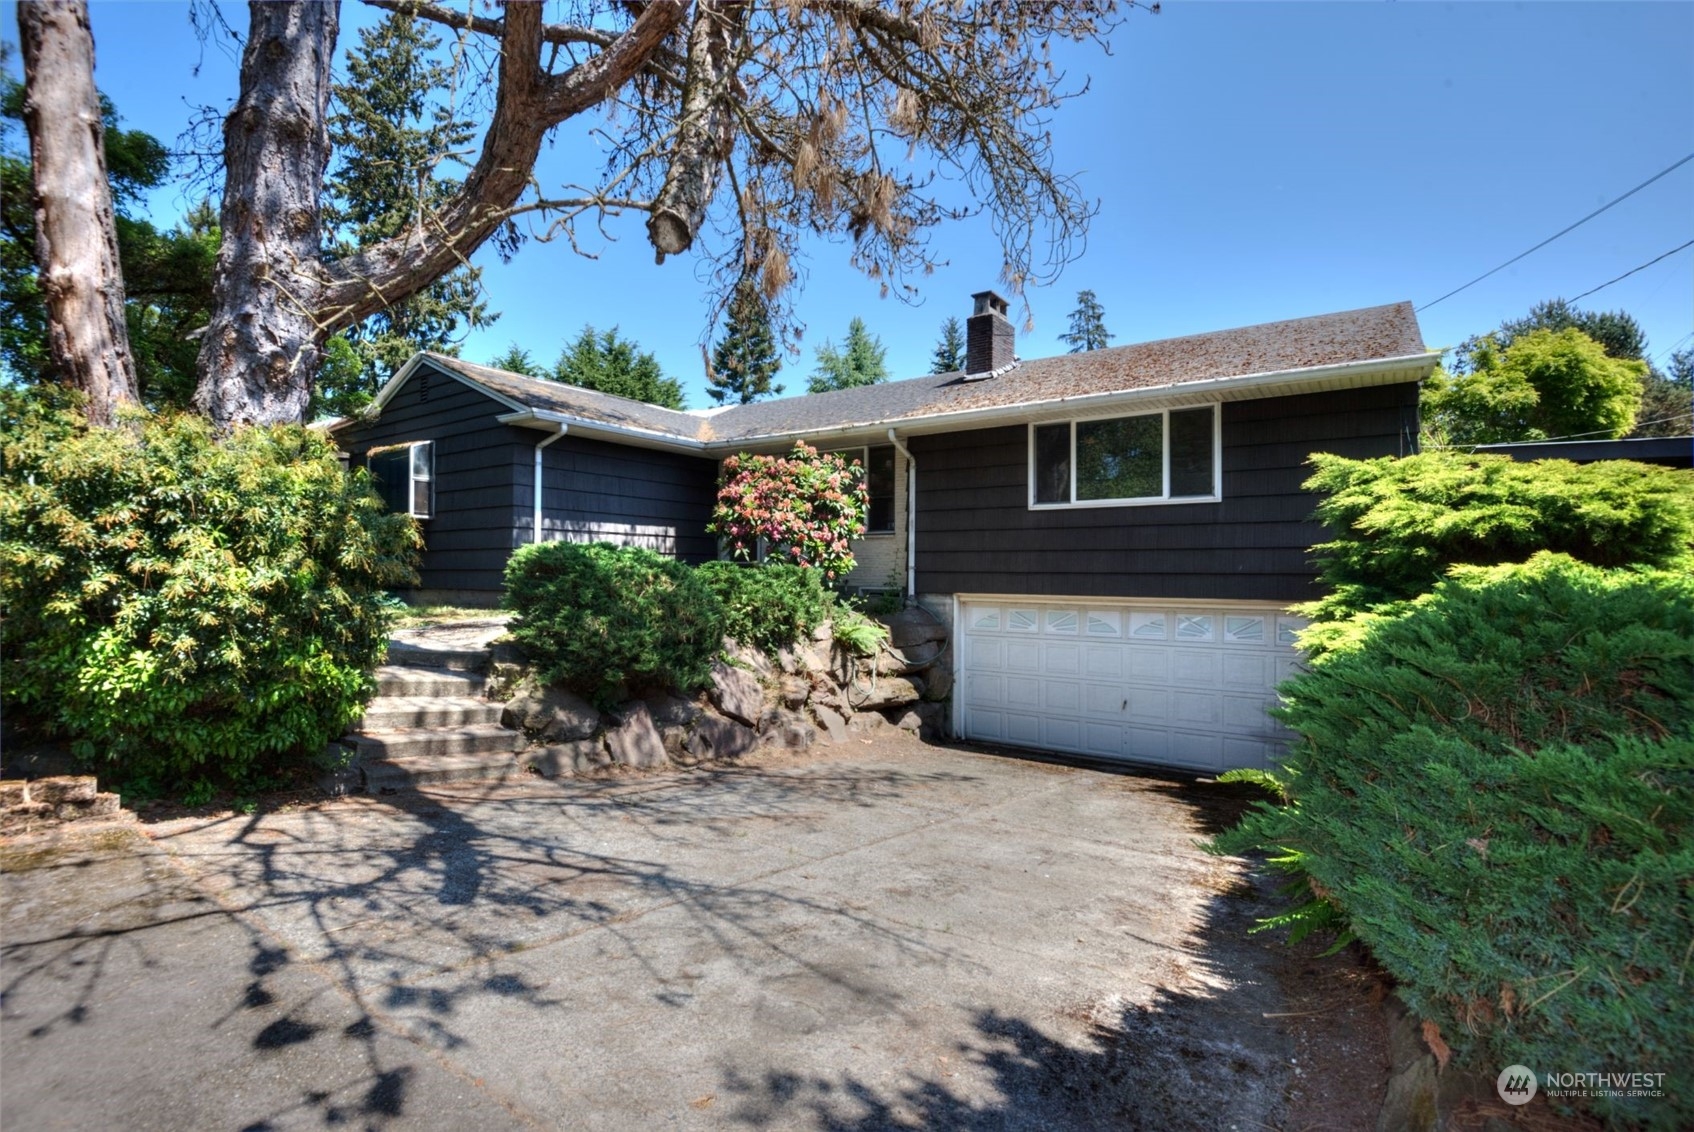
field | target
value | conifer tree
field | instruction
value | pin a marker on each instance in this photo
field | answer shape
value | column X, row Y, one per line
column 950, row 351
column 862, row 360
column 1088, row 325
column 516, row 359
column 745, row 359
column 392, row 137
column 611, row 364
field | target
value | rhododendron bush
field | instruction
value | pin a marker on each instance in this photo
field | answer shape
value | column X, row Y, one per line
column 803, row 508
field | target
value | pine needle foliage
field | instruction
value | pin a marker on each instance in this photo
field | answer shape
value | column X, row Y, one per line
column 189, row 613
column 1401, row 524
column 1495, row 789
column 746, row 358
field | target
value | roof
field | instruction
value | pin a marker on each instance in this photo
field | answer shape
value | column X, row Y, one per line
column 1373, row 345
column 1672, row 451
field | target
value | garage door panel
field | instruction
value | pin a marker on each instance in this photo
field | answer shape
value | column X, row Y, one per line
column 1183, row 687
column 1103, row 662
column 1023, row 656
column 1061, row 695
column 1064, row 658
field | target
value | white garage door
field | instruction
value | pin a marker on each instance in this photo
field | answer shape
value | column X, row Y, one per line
column 1176, row 686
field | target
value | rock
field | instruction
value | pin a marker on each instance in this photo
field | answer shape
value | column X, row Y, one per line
column 562, row 760
column 65, row 788
column 832, row 722
column 507, row 651
column 866, row 723
column 792, row 691
column 674, row 737
column 938, row 682
column 338, row 782
column 824, row 633
column 884, row 692
column 906, row 719
column 736, row 693
column 828, row 694
column 635, row 742
column 672, row 711
column 714, row 737
column 787, row 730
column 13, row 793
column 550, row 714
column 913, row 626
column 748, row 658
column 933, row 720
column 788, row 659
column 811, row 657
column 898, row 662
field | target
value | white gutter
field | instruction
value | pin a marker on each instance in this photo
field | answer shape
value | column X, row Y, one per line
column 911, row 514
column 563, row 428
column 647, row 437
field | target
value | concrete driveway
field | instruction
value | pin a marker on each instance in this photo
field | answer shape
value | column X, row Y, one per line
column 876, row 936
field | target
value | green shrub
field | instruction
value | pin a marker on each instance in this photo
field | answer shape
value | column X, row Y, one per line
column 1399, row 525
column 184, row 610
column 1496, row 788
column 858, row 633
column 770, row 605
column 602, row 619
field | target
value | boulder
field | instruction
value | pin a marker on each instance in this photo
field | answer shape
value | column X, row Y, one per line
column 827, row 693
column 675, row 741
column 833, row 723
column 714, row 737
column 672, row 711
column 906, row 719
column 788, row 659
column 749, row 658
column 736, row 693
column 810, row 657
column 550, row 714
column 867, row 723
column 913, row 626
column 884, row 692
column 635, row 742
column 792, row 691
column 786, row 730
column 897, row 662
column 933, row 720
column 63, row 788
column 562, row 760
column 938, row 682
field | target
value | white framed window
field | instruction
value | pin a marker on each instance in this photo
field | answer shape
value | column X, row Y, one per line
column 405, row 477
column 877, row 464
column 1165, row 456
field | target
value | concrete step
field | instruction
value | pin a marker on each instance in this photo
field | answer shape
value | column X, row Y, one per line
column 403, row 680
column 395, row 713
column 406, row 772
column 454, row 660
column 476, row 739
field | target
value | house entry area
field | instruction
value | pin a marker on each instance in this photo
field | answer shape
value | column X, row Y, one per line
column 1177, row 684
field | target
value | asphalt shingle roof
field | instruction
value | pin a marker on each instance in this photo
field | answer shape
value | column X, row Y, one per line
column 1367, row 334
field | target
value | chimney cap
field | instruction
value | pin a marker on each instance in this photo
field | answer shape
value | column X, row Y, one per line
column 988, row 302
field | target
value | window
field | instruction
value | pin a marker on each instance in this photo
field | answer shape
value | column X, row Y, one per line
column 1168, row 456
column 878, row 464
column 405, row 477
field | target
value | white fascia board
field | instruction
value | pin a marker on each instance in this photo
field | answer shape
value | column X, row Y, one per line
column 1310, row 379
column 600, row 430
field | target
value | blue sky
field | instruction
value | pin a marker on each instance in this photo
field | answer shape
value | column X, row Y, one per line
column 1253, row 161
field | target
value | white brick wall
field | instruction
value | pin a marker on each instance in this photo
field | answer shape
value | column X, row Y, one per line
column 880, row 555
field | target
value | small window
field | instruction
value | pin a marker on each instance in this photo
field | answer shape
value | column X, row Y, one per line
column 405, row 477
column 877, row 464
column 1158, row 457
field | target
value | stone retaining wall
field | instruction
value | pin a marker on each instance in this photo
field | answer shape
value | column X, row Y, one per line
column 816, row 691
column 60, row 798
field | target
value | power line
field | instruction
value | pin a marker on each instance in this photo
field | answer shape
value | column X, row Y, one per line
column 1632, row 271
column 1561, row 232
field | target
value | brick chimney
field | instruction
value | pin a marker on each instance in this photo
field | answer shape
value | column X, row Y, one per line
column 989, row 336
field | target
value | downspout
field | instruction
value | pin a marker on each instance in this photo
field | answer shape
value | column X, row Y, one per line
column 563, row 428
column 911, row 515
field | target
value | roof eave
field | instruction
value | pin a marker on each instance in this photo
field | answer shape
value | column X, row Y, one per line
column 585, row 426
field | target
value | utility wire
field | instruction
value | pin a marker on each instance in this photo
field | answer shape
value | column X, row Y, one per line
column 1632, row 271
column 1561, row 232
column 1607, row 432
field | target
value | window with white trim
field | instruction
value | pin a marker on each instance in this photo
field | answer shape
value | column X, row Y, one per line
column 1169, row 456
column 405, row 477
column 877, row 462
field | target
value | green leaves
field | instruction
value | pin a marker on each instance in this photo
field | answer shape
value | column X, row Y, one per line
column 803, row 509
column 1545, row 384
column 862, row 360
column 770, row 605
column 175, row 604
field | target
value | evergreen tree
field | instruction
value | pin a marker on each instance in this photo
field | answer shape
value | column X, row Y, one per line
column 1545, row 385
column 861, row 361
column 745, row 359
column 1667, row 399
column 518, row 360
column 610, row 364
column 1088, row 325
column 950, row 351
column 391, row 135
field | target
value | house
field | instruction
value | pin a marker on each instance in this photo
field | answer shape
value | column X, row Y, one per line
column 1114, row 536
column 1667, row 451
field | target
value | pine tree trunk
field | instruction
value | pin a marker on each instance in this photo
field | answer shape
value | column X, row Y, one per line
column 76, row 241
column 261, row 349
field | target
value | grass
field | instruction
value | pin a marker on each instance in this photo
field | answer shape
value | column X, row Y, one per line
column 415, row 616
